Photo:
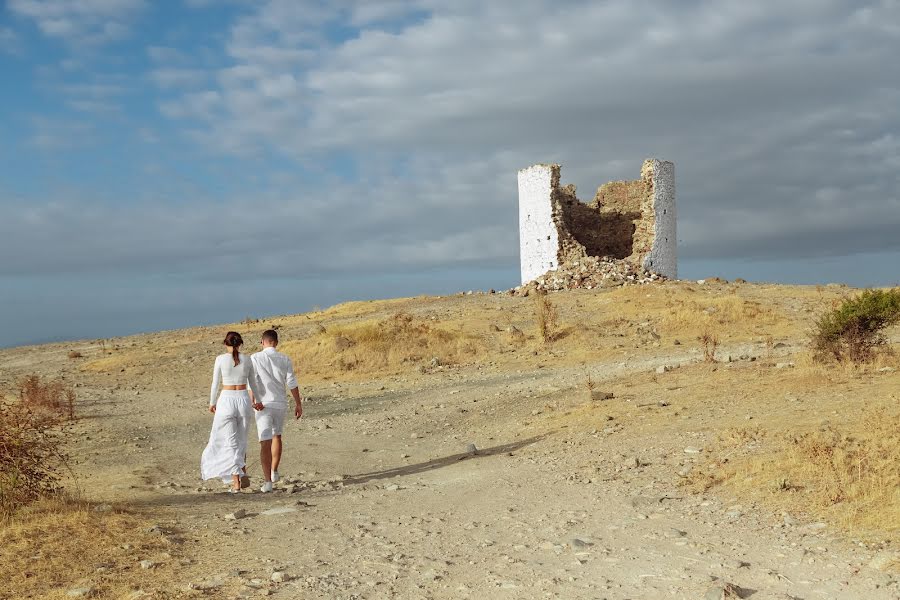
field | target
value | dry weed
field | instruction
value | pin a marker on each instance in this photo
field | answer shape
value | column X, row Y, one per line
column 30, row 457
column 710, row 342
column 60, row 543
column 381, row 346
column 547, row 317
column 847, row 475
column 53, row 398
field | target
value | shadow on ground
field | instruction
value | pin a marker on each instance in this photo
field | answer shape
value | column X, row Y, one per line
column 438, row 463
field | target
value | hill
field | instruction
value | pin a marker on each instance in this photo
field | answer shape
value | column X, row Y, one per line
column 652, row 441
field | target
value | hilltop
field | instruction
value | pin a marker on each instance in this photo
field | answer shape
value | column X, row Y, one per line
column 656, row 441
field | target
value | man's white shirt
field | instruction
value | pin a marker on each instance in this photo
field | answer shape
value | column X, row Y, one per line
column 276, row 372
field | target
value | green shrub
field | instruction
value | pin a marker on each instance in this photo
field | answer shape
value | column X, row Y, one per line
column 852, row 331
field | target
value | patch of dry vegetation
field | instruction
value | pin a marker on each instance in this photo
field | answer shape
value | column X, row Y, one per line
column 847, row 474
column 31, row 455
column 547, row 318
column 59, row 544
column 54, row 401
column 387, row 345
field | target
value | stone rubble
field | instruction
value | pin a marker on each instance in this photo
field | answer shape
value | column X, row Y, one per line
column 589, row 273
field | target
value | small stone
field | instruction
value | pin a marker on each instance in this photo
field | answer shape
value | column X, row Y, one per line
column 598, row 395
column 82, row 592
column 471, row 449
column 674, row 533
column 392, row 488
column 693, row 450
column 723, row 591
column 101, row 508
column 147, row 564
column 784, row 365
column 278, row 510
column 581, row 543
column 279, row 577
column 662, row 369
column 238, row 514
column 790, row 521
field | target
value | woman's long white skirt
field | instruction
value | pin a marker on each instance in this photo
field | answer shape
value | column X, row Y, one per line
column 226, row 451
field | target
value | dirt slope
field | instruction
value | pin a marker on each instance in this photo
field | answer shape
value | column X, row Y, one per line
column 566, row 497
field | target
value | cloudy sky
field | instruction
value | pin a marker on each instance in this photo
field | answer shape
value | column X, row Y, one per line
column 196, row 161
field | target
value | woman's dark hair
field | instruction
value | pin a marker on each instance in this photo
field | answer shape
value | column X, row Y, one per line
column 234, row 339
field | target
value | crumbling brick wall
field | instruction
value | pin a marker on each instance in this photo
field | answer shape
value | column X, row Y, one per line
column 627, row 220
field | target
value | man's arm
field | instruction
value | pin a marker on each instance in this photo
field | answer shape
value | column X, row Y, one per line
column 298, row 402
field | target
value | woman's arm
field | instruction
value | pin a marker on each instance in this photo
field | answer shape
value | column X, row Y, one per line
column 214, row 390
column 255, row 384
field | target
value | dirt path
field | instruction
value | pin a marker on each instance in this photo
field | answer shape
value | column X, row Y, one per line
column 383, row 500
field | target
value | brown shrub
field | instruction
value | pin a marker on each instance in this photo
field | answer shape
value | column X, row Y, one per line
column 547, row 317
column 30, row 457
column 75, row 354
column 53, row 399
column 710, row 342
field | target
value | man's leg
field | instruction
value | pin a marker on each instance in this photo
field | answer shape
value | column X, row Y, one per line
column 276, row 452
column 265, row 458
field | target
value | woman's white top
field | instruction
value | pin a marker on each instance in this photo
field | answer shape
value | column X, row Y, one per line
column 227, row 373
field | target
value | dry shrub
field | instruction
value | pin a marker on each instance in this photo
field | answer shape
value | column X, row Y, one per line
column 710, row 342
column 547, row 317
column 387, row 345
column 75, row 354
column 58, row 544
column 30, row 457
column 54, row 399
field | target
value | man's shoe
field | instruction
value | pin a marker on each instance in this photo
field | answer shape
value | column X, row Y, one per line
column 275, row 477
column 245, row 482
column 266, row 487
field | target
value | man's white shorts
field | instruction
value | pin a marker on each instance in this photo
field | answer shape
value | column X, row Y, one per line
column 270, row 421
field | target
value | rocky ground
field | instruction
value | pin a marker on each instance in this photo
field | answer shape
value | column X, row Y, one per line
column 463, row 482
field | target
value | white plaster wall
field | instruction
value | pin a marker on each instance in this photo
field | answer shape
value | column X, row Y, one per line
column 663, row 257
column 538, row 237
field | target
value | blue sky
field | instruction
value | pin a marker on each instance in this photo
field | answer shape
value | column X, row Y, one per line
column 172, row 163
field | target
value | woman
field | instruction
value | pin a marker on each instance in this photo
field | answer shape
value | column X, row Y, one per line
column 226, row 453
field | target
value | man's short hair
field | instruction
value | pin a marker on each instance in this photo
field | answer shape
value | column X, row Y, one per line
column 270, row 335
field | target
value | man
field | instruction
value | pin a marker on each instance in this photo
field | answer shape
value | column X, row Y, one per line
column 276, row 372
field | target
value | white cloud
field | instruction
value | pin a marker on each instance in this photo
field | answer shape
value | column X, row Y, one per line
column 746, row 98
column 174, row 77
column 80, row 22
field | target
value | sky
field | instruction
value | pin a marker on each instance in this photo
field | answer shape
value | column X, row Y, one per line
column 182, row 162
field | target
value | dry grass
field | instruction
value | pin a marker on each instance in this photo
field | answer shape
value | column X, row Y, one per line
column 547, row 318
column 59, row 544
column 847, row 475
column 388, row 345
column 53, row 399
column 710, row 342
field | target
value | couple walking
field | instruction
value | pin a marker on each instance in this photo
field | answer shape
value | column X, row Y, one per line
column 266, row 374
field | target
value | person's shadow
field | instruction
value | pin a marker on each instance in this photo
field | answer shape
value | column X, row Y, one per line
column 438, row 463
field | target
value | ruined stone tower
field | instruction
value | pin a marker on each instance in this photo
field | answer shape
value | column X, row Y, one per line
column 627, row 220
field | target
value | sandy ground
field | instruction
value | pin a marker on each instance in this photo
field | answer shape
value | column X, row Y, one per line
column 383, row 499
